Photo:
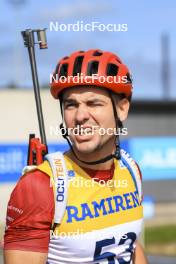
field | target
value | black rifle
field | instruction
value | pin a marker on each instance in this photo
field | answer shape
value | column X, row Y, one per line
column 37, row 148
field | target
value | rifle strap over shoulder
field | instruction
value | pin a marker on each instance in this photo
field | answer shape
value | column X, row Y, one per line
column 59, row 170
column 131, row 165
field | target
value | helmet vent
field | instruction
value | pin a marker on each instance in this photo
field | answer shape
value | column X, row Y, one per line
column 112, row 69
column 97, row 53
column 63, row 70
column 92, row 68
column 77, row 65
column 129, row 80
column 56, row 70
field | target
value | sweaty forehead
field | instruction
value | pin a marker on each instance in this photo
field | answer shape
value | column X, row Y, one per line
column 85, row 92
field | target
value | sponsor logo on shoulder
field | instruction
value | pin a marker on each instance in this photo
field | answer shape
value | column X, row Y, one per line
column 71, row 173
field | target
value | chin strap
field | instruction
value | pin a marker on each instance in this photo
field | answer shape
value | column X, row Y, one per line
column 116, row 154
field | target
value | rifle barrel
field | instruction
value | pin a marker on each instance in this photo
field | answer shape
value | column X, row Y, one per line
column 37, row 94
column 29, row 42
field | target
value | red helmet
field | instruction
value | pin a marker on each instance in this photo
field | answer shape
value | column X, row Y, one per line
column 93, row 67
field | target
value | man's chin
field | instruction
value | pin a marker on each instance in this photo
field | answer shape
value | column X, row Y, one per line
column 85, row 147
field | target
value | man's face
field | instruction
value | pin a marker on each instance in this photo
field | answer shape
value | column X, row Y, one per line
column 88, row 109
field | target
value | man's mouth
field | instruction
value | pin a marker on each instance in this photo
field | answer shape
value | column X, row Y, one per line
column 84, row 130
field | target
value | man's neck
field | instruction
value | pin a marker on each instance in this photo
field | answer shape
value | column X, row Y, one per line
column 101, row 166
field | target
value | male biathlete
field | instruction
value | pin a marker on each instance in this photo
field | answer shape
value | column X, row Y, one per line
column 98, row 207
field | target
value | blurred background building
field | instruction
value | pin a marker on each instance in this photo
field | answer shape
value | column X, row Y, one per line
column 147, row 47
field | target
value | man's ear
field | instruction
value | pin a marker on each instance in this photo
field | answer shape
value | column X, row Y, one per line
column 122, row 107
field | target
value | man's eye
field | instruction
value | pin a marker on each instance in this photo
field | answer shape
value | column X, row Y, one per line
column 93, row 104
column 70, row 105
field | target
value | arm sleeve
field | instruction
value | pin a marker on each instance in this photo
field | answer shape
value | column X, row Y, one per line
column 29, row 214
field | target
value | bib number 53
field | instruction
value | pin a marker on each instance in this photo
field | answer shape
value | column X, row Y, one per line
column 111, row 256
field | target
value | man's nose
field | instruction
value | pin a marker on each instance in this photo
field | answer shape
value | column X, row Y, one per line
column 82, row 114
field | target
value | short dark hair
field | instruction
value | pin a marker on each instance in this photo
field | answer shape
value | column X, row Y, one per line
column 120, row 96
